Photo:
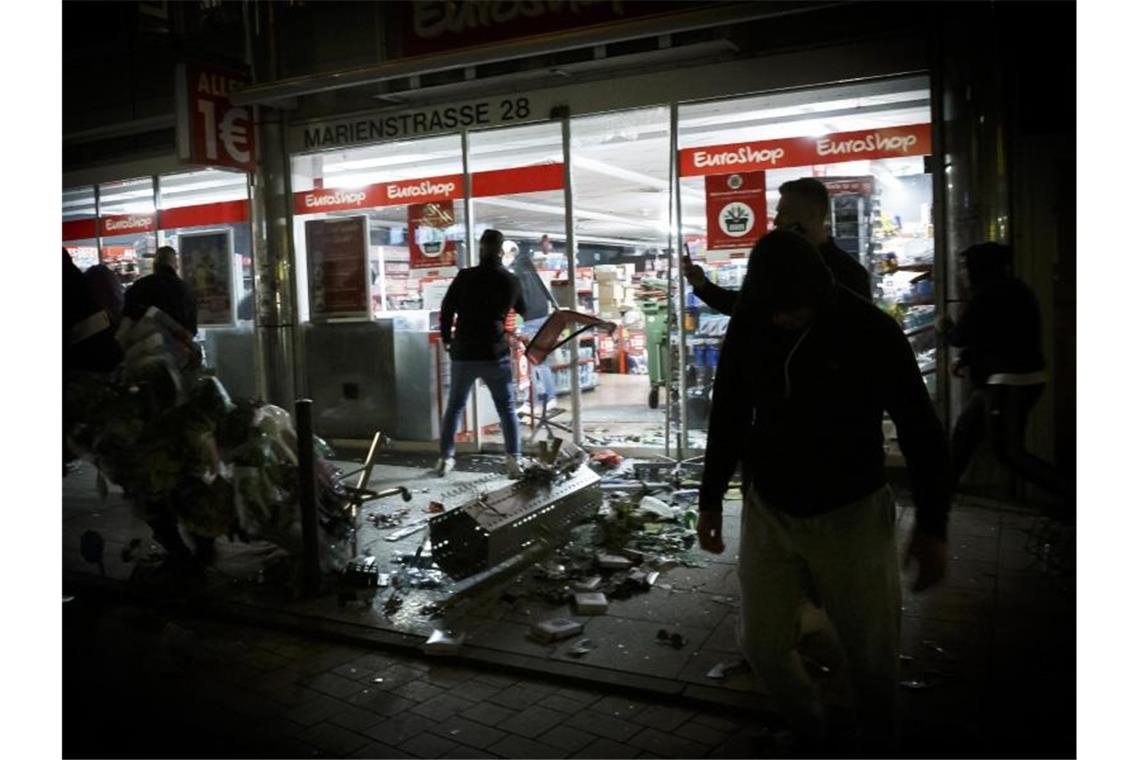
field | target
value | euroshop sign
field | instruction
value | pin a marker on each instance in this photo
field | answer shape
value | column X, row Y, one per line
column 890, row 142
column 126, row 224
column 523, row 179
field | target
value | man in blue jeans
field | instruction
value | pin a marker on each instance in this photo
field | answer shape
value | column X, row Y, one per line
column 481, row 296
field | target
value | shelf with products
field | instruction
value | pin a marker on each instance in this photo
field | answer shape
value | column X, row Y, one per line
column 564, row 365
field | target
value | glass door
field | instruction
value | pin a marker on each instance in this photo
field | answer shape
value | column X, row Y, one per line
column 517, row 186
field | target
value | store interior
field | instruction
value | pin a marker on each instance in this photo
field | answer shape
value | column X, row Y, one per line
column 623, row 228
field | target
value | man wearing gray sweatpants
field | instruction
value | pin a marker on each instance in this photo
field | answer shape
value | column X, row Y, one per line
column 805, row 375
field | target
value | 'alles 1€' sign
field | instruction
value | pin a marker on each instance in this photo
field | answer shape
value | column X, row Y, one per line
column 211, row 130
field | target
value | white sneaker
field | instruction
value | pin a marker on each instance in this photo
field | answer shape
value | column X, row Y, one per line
column 444, row 465
column 514, row 467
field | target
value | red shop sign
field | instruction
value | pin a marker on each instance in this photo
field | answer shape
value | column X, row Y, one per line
column 125, row 224
column 524, row 179
column 890, row 142
column 211, row 130
column 735, row 206
column 80, row 229
column 225, row 212
column 427, row 190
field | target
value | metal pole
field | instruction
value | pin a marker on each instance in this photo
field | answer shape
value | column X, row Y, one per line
column 572, row 276
column 307, row 498
column 469, row 223
column 274, row 280
column 98, row 228
column 675, row 261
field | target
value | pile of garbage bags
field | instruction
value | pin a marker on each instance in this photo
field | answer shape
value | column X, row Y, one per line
column 167, row 432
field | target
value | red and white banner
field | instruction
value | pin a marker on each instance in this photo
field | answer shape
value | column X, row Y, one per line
column 226, row 212
column 126, row 224
column 736, row 209
column 524, row 179
column 211, row 130
column 427, row 190
column 206, row 214
column 80, row 229
column 428, row 244
column 890, row 142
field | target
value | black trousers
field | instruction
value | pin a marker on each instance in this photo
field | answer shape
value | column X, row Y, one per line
column 1002, row 413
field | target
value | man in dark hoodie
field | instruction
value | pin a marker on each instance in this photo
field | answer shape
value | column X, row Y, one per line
column 804, row 378
column 804, row 207
column 481, row 297
column 999, row 335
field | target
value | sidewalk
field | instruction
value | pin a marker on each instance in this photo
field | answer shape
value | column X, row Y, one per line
column 993, row 650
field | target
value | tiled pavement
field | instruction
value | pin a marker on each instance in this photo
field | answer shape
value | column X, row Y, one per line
column 140, row 682
column 995, row 644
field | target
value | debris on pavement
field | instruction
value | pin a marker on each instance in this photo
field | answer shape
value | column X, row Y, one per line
column 382, row 520
column 614, row 562
column 590, row 603
column 723, row 670
column 556, row 629
column 581, row 648
column 434, row 508
column 590, row 583
column 607, row 458
column 362, row 571
column 675, row 640
column 405, row 532
column 928, row 680
column 443, row 642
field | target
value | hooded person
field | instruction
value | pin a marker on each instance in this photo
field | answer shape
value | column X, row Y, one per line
column 999, row 337
column 539, row 301
column 805, row 375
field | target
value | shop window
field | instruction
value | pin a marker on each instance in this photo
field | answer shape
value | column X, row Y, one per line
column 409, row 198
column 127, row 227
column 207, row 214
column 79, row 226
column 866, row 142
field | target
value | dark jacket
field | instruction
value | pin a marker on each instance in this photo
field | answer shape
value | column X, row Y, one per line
column 533, row 289
column 106, row 290
column 481, row 297
column 1000, row 330
column 88, row 336
column 164, row 290
column 803, row 411
column 846, row 269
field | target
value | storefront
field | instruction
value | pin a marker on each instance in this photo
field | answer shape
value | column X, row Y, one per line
column 620, row 177
column 204, row 214
column 621, row 180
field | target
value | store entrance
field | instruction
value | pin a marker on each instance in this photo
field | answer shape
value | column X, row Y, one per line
column 621, row 210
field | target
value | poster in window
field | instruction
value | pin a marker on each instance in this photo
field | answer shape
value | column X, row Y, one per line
column 207, row 263
column 339, row 278
column 429, row 244
column 736, row 208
